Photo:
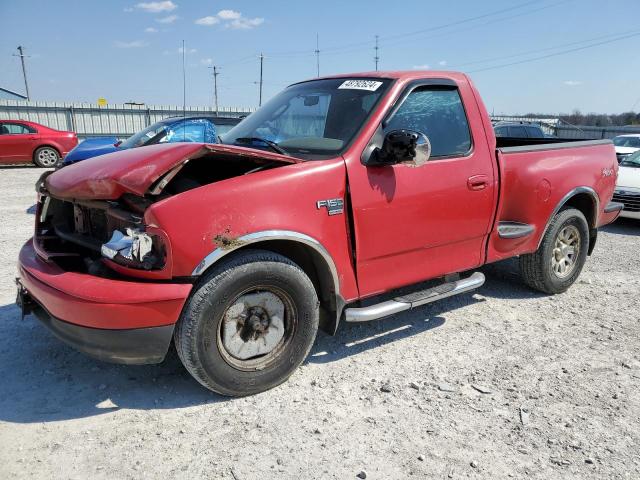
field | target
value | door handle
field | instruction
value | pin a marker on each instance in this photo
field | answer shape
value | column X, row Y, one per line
column 477, row 182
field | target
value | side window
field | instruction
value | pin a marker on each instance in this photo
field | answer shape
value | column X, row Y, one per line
column 501, row 131
column 535, row 132
column 200, row 131
column 15, row 129
column 440, row 115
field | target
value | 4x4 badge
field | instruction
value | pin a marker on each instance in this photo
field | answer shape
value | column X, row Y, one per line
column 334, row 206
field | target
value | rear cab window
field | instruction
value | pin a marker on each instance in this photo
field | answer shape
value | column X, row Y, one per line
column 518, row 132
column 535, row 132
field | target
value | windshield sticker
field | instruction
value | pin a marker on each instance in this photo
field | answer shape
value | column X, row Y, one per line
column 370, row 85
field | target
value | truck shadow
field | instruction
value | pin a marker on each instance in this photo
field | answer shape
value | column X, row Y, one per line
column 623, row 226
column 45, row 381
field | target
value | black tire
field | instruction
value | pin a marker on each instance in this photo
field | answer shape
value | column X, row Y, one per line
column 46, row 157
column 198, row 334
column 538, row 269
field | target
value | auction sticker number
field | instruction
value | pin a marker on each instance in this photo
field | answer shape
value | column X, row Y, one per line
column 370, row 85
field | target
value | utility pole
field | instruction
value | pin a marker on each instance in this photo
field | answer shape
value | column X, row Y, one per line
column 215, row 87
column 184, row 82
column 317, row 51
column 260, row 98
column 24, row 71
column 377, row 57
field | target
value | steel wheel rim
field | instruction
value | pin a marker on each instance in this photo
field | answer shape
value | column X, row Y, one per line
column 47, row 157
column 566, row 250
column 268, row 358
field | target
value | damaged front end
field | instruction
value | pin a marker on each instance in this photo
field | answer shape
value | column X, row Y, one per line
column 92, row 220
column 89, row 235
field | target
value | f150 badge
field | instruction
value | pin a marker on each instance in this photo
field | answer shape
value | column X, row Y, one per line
column 334, row 206
column 607, row 172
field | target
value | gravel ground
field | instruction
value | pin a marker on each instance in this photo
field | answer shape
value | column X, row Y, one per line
column 502, row 383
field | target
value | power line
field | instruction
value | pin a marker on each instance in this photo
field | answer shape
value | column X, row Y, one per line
column 528, row 52
column 483, row 24
column 365, row 44
column 564, row 52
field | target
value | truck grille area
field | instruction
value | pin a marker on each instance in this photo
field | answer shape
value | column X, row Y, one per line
column 631, row 200
column 71, row 233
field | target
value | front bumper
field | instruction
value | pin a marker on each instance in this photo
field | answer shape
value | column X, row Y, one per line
column 114, row 320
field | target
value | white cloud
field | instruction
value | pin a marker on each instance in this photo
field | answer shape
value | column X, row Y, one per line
column 134, row 44
column 188, row 51
column 229, row 15
column 421, row 67
column 230, row 19
column 442, row 63
column 168, row 19
column 150, row 30
column 157, row 7
column 207, row 21
column 127, row 9
column 246, row 23
column 206, row 61
column 572, row 83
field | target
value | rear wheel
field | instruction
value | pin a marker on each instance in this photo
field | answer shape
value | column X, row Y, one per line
column 557, row 263
column 249, row 325
column 46, row 157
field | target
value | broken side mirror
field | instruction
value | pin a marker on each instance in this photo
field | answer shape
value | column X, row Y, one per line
column 401, row 146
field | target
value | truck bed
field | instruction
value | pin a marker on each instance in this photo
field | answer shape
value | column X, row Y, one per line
column 535, row 179
column 505, row 142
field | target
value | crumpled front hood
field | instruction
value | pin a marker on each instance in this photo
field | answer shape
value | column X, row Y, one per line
column 91, row 147
column 134, row 170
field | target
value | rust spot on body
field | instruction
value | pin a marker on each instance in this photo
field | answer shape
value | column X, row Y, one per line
column 225, row 241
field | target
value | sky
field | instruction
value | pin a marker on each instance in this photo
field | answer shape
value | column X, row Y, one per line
column 547, row 56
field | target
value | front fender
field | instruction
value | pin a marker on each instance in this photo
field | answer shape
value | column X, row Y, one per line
column 206, row 223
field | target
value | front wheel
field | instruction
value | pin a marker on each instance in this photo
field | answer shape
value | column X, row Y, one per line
column 249, row 324
column 555, row 266
column 46, row 157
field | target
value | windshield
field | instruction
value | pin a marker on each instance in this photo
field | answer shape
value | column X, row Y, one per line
column 311, row 120
column 633, row 142
column 198, row 130
column 632, row 160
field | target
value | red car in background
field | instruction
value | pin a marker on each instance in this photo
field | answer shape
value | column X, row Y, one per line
column 27, row 142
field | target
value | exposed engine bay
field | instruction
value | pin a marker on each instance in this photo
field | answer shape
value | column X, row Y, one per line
column 95, row 236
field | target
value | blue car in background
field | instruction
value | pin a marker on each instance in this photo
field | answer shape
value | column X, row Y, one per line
column 169, row 130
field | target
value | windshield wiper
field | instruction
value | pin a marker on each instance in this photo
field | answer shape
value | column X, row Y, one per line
column 272, row 145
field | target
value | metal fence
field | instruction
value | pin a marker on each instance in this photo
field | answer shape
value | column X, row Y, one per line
column 561, row 129
column 91, row 120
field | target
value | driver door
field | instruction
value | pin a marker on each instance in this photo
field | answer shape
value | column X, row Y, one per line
column 415, row 223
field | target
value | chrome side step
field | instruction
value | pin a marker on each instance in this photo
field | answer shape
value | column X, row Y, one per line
column 406, row 302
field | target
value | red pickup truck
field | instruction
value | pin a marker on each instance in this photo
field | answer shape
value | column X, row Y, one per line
column 315, row 210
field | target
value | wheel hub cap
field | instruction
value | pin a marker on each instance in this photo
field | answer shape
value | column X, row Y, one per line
column 253, row 325
column 566, row 251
